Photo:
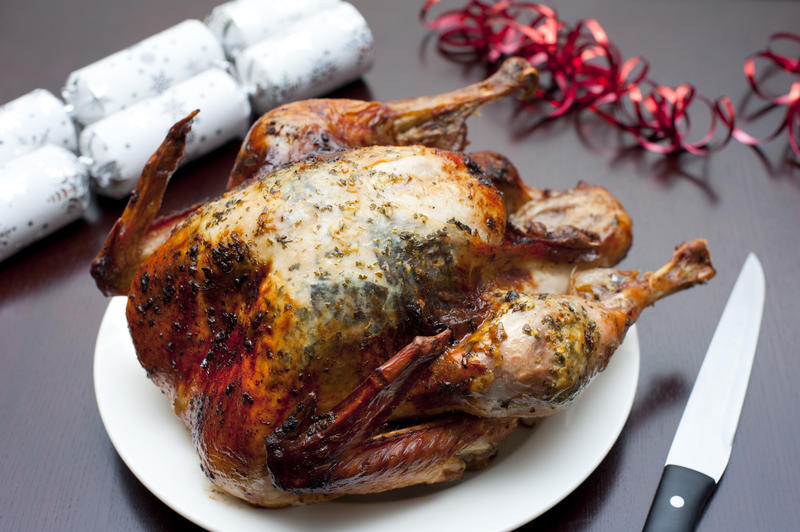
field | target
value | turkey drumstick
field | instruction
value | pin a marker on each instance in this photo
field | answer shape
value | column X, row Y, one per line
column 535, row 353
column 298, row 130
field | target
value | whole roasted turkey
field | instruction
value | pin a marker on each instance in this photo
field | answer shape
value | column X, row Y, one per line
column 367, row 307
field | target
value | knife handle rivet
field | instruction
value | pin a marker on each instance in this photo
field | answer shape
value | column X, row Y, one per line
column 677, row 501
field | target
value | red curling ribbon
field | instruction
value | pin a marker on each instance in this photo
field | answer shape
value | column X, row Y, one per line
column 791, row 99
column 587, row 71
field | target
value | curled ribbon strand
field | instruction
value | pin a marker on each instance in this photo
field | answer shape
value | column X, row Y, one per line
column 791, row 99
column 587, row 71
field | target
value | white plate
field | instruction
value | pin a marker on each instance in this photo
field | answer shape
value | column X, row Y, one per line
column 534, row 470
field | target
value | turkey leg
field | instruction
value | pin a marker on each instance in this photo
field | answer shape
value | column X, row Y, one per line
column 535, row 353
column 299, row 130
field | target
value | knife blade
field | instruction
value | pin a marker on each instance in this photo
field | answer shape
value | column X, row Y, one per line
column 702, row 445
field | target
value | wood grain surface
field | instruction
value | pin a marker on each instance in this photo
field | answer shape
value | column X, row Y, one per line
column 58, row 467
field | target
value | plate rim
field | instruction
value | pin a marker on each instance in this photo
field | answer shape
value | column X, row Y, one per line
column 201, row 520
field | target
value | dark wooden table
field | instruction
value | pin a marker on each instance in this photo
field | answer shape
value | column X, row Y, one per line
column 58, row 468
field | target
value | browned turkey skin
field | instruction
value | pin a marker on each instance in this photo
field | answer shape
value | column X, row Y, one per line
column 368, row 308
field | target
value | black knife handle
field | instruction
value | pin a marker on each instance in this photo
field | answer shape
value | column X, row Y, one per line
column 679, row 500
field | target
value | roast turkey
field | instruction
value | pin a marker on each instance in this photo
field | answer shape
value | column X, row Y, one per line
column 368, row 307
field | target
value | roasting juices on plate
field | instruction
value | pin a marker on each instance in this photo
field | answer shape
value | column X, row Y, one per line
column 367, row 307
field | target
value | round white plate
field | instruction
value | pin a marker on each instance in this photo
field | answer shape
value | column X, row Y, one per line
column 534, row 469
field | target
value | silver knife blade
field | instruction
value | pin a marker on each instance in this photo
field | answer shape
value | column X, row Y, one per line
column 704, row 438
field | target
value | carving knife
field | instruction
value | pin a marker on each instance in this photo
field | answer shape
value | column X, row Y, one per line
column 703, row 441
